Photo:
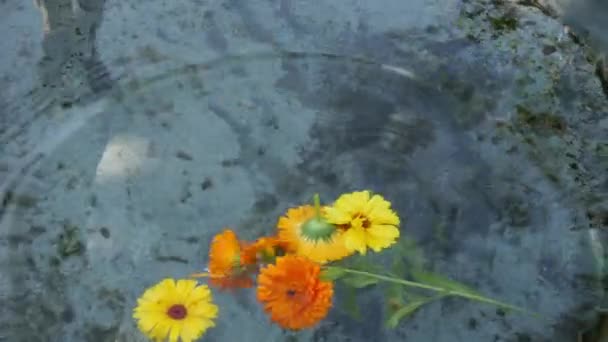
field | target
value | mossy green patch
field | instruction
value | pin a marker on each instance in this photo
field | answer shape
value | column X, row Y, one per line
column 540, row 121
column 504, row 23
column 69, row 241
column 99, row 333
column 20, row 200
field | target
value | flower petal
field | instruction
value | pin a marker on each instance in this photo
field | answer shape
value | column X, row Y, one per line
column 174, row 333
column 377, row 202
column 161, row 330
column 155, row 292
column 184, row 288
column 200, row 293
column 354, row 239
column 336, row 216
column 207, row 311
column 384, row 231
column 353, row 202
column 148, row 324
column 190, row 331
column 381, row 236
column 380, row 212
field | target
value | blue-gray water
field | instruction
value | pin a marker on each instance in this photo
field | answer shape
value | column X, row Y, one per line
column 133, row 131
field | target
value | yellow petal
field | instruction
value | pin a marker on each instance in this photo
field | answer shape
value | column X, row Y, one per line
column 157, row 291
column 354, row 240
column 161, row 330
column 166, row 284
column 199, row 297
column 381, row 214
column 175, row 332
column 165, row 289
column 352, row 203
column 148, row 321
column 144, row 309
column 204, row 310
column 193, row 329
column 360, row 196
column 377, row 202
column 384, row 231
column 381, row 236
column 336, row 216
column 184, row 288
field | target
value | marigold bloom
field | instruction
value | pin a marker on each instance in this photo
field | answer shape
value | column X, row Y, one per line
column 313, row 237
column 227, row 268
column 368, row 221
column 293, row 293
column 175, row 310
column 263, row 250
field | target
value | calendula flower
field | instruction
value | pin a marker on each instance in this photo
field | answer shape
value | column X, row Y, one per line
column 175, row 311
column 305, row 232
column 368, row 221
column 293, row 293
column 227, row 267
column 263, row 250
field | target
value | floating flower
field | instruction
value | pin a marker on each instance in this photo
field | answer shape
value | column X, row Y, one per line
column 175, row 310
column 263, row 250
column 292, row 292
column 305, row 232
column 368, row 221
column 227, row 268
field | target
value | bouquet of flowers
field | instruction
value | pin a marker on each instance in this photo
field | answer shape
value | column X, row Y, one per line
column 294, row 271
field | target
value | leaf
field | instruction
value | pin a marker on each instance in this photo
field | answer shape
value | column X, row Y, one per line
column 396, row 296
column 398, row 268
column 331, row 273
column 363, row 263
column 351, row 305
column 405, row 311
column 359, row 281
column 394, row 293
column 408, row 250
column 437, row 280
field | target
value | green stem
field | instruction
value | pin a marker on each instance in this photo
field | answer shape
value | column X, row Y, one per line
column 443, row 291
column 317, row 203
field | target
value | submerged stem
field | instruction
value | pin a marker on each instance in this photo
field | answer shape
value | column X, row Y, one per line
column 200, row 275
column 444, row 291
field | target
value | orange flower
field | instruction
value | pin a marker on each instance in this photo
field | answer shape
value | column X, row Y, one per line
column 227, row 268
column 264, row 249
column 313, row 237
column 292, row 292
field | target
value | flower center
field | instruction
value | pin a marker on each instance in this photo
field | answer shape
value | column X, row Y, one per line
column 177, row 311
column 237, row 267
column 318, row 229
column 290, row 293
column 360, row 220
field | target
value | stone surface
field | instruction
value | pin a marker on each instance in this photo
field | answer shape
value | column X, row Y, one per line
column 133, row 131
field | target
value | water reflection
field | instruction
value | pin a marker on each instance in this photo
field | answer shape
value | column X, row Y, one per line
column 71, row 62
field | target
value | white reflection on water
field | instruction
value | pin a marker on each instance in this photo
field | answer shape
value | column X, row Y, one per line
column 124, row 155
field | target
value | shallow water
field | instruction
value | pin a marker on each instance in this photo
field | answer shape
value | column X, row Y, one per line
column 132, row 132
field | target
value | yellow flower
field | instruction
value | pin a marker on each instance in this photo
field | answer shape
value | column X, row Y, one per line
column 305, row 234
column 368, row 221
column 173, row 310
